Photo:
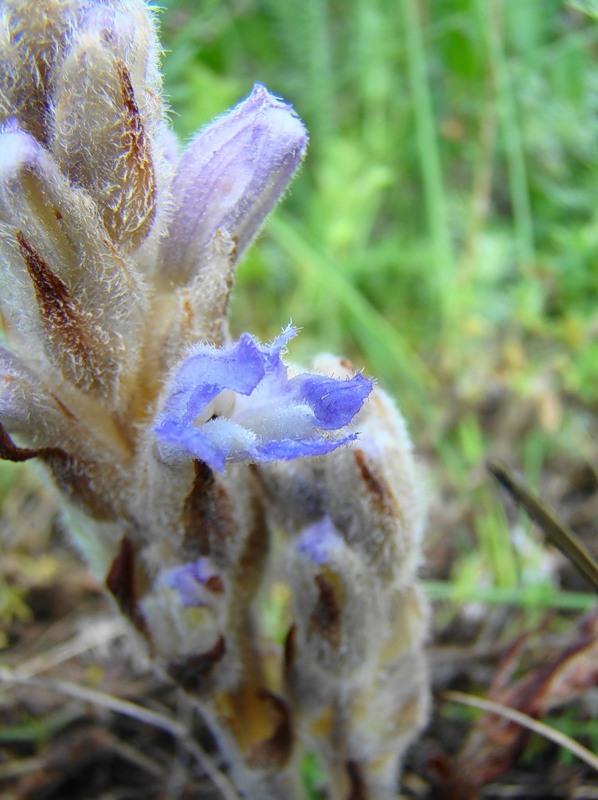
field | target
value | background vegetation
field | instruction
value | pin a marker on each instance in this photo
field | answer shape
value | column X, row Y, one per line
column 443, row 233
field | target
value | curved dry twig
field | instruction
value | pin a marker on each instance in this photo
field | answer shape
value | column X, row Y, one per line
column 558, row 737
column 134, row 711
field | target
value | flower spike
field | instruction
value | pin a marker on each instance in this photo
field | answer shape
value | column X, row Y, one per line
column 196, row 471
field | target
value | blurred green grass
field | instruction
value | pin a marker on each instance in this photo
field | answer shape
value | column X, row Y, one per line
column 448, row 204
column 444, row 230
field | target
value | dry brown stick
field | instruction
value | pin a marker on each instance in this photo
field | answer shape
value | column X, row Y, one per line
column 555, row 530
column 513, row 714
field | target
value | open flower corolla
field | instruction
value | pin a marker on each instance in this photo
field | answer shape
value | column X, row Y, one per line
column 238, row 403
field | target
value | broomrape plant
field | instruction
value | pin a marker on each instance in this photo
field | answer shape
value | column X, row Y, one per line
column 196, row 470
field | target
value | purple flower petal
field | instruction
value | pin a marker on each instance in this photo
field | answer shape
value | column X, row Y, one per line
column 333, row 402
column 289, row 449
column 208, row 371
column 238, row 404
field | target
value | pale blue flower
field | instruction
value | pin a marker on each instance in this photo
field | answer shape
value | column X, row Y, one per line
column 320, row 542
column 238, row 403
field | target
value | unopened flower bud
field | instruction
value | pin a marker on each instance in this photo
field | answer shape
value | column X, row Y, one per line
column 230, row 178
column 101, row 137
column 59, row 271
column 33, row 38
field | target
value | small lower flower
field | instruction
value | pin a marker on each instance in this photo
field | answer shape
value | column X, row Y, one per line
column 320, row 542
column 238, row 403
column 194, row 581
